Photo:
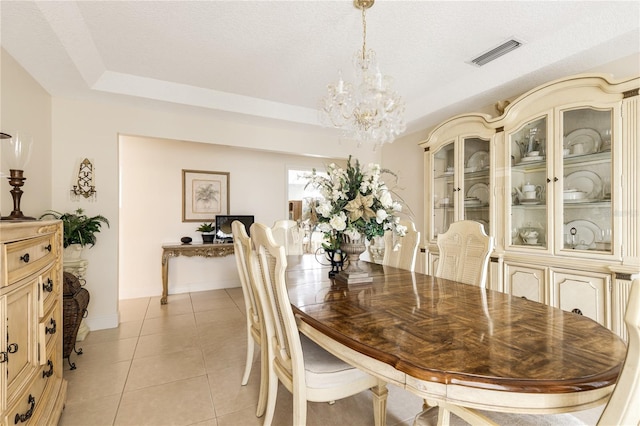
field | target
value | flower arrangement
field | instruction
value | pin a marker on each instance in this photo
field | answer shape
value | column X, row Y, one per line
column 357, row 203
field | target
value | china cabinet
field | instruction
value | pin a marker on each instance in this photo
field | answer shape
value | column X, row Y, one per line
column 32, row 390
column 461, row 178
column 561, row 192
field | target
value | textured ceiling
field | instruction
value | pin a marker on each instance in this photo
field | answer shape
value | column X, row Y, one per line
column 274, row 59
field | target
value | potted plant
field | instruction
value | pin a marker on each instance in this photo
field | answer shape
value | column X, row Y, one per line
column 79, row 230
column 208, row 232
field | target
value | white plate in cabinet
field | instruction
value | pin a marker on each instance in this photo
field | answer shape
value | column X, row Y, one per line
column 525, row 281
column 582, row 294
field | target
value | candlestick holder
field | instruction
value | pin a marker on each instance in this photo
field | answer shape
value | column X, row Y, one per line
column 16, row 179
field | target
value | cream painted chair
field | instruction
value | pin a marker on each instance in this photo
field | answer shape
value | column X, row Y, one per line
column 401, row 252
column 309, row 372
column 623, row 407
column 243, row 252
column 464, row 253
column 288, row 234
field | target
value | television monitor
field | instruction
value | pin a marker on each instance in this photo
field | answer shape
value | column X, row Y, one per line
column 223, row 226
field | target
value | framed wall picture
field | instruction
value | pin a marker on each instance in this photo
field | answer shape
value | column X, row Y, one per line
column 204, row 195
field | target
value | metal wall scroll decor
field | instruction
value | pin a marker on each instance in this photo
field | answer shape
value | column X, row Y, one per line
column 85, row 186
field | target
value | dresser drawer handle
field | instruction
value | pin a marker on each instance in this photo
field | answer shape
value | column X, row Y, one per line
column 26, row 416
column 49, row 373
column 48, row 248
column 48, row 286
column 12, row 348
column 25, row 258
column 51, row 330
column 4, row 357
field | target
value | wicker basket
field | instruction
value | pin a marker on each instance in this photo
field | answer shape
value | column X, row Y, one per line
column 75, row 300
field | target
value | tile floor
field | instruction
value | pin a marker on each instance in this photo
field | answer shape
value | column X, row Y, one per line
column 181, row 364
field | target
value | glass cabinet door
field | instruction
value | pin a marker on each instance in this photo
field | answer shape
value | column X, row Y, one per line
column 586, row 179
column 476, row 190
column 528, row 163
column 443, row 162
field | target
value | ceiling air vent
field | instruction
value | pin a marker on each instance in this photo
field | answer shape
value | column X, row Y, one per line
column 496, row 52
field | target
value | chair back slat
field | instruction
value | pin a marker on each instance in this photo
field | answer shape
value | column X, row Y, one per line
column 401, row 252
column 464, row 253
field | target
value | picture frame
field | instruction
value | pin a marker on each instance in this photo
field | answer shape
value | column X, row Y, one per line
column 205, row 194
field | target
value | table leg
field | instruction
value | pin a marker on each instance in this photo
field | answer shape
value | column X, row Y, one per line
column 380, row 394
column 165, row 278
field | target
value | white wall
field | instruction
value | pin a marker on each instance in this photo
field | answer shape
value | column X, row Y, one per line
column 26, row 107
column 151, row 209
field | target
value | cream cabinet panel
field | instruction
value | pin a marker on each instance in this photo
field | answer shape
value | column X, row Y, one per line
column 32, row 390
column 526, row 282
column 20, row 327
column 583, row 294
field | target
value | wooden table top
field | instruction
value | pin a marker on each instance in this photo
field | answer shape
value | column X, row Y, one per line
column 442, row 331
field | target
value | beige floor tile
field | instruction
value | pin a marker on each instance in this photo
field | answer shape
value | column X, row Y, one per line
column 95, row 381
column 182, row 322
column 164, row 368
column 166, row 343
column 182, row 402
column 229, row 395
column 223, row 354
column 222, row 316
column 200, row 305
column 133, row 309
column 222, row 332
column 107, row 352
column 177, row 305
column 96, row 412
column 123, row 331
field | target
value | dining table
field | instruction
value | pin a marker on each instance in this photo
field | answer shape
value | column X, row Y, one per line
column 458, row 346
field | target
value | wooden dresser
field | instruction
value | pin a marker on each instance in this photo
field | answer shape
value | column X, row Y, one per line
column 32, row 390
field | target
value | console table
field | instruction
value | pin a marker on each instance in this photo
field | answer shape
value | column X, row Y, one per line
column 189, row 250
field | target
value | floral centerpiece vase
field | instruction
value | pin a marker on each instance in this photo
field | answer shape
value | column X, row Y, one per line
column 353, row 273
column 355, row 206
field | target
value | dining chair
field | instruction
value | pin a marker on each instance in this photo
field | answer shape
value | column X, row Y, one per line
column 288, row 234
column 243, row 251
column 623, row 407
column 400, row 252
column 305, row 369
column 464, row 253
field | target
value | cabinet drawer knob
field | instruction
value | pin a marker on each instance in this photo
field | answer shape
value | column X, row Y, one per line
column 12, row 348
column 48, row 247
column 48, row 373
column 25, row 258
column 51, row 330
column 20, row 418
column 3, row 357
column 48, row 286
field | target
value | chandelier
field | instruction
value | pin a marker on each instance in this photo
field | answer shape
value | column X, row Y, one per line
column 368, row 111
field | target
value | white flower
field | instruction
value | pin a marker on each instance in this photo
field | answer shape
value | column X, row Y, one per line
column 324, row 208
column 401, row 230
column 381, row 215
column 352, row 233
column 324, row 227
column 386, row 200
column 397, row 206
column 339, row 222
